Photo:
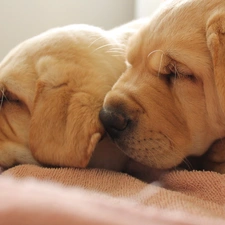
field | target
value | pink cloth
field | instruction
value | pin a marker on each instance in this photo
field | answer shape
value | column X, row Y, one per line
column 34, row 195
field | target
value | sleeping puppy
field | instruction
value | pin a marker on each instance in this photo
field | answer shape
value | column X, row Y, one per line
column 52, row 89
column 169, row 104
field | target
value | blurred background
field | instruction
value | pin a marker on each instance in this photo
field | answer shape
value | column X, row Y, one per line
column 22, row 19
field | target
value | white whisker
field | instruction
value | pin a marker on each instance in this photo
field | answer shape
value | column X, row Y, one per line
column 158, row 50
column 122, row 53
column 117, row 49
column 95, row 41
column 176, row 72
column 161, row 59
column 2, row 98
column 160, row 64
column 118, row 55
column 103, row 46
column 188, row 163
column 121, row 49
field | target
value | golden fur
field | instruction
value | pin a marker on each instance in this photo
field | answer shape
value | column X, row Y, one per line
column 169, row 104
column 52, row 88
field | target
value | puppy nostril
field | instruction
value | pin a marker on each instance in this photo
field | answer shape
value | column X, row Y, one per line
column 113, row 120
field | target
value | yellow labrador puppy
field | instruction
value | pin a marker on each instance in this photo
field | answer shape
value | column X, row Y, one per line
column 170, row 102
column 52, row 89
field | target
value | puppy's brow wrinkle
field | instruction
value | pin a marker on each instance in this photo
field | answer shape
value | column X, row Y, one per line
column 137, row 102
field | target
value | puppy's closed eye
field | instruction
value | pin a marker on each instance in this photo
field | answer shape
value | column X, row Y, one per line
column 177, row 71
column 10, row 98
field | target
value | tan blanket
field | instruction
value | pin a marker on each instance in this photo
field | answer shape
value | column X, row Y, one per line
column 93, row 196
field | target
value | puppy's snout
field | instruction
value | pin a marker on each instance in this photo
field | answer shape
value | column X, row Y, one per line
column 113, row 121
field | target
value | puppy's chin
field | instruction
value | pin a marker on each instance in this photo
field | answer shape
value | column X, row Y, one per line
column 158, row 161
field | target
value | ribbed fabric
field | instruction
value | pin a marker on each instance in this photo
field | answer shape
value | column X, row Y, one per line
column 94, row 196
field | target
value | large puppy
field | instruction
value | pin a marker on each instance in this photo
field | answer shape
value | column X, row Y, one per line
column 52, row 89
column 170, row 104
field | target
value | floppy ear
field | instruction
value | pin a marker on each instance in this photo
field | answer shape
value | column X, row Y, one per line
column 215, row 35
column 56, row 135
column 214, row 159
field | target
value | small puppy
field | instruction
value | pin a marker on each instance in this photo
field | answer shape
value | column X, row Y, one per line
column 169, row 104
column 52, row 89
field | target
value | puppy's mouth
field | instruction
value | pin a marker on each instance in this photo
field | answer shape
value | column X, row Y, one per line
column 148, row 151
column 147, row 145
column 151, row 148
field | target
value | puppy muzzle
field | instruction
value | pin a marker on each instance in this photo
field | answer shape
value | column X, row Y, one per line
column 114, row 121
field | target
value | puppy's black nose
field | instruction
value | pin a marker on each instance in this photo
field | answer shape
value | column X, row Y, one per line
column 113, row 121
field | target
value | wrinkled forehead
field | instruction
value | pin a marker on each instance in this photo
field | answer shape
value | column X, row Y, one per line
column 174, row 29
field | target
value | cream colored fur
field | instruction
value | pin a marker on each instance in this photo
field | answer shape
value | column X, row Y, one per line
column 52, row 88
column 173, row 91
